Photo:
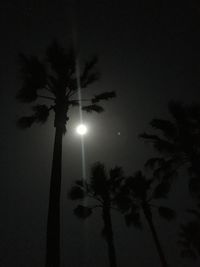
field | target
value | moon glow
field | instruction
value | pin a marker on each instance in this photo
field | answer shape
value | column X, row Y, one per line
column 81, row 129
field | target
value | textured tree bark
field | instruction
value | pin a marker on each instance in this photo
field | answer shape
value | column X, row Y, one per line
column 148, row 216
column 109, row 236
column 53, row 221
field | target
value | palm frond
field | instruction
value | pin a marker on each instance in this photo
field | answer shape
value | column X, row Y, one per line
column 161, row 145
column 27, row 94
column 41, row 113
column 76, row 193
column 149, row 137
column 91, row 78
column 94, row 107
column 89, row 75
column 167, row 128
column 26, row 122
column 103, row 96
column 34, row 78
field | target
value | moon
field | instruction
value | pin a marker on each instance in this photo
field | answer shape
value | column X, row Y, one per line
column 81, row 129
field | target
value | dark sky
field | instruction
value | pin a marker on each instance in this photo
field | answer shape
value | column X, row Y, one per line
column 149, row 54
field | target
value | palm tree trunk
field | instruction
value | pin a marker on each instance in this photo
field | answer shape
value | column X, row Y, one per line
column 148, row 217
column 53, row 221
column 109, row 236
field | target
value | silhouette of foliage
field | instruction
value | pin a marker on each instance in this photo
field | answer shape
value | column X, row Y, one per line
column 140, row 194
column 91, row 108
column 26, row 122
column 76, row 193
column 103, row 188
column 189, row 236
column 55, row 76
column 103, row 96
column 41, row 113
column 87, row 76
column 34, row 78
column 178, row 143
column 54, row 79
column 100, row 186
column 139, row 191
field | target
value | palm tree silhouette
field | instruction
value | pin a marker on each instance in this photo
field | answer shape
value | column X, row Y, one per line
column 54, row 79
column 177, row 141
column 141, row 194
column 189, row 235
column 103, row 189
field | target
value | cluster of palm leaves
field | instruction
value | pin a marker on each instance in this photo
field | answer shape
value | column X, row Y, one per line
column 177, row 142
column 102, row 189
column 54, row 78
column 128, row 195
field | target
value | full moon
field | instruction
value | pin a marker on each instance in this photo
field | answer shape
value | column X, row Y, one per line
column 81, row 129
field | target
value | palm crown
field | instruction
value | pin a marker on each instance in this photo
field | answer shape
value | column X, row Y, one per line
column 100, row 187
column 140, row 193
column 55, row 77
column 177, row 142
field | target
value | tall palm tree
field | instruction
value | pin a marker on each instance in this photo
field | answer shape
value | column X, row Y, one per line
column 140, row 194
column 102, row 188
column 54, row 79
column 177, row 141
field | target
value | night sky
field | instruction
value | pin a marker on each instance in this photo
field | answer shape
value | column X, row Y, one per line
column 149, row 54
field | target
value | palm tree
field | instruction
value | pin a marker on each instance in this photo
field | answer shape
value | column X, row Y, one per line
column 189, row 236
column 102, row 189
column 177, row 141
column 141, row 194
column 54, row 79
